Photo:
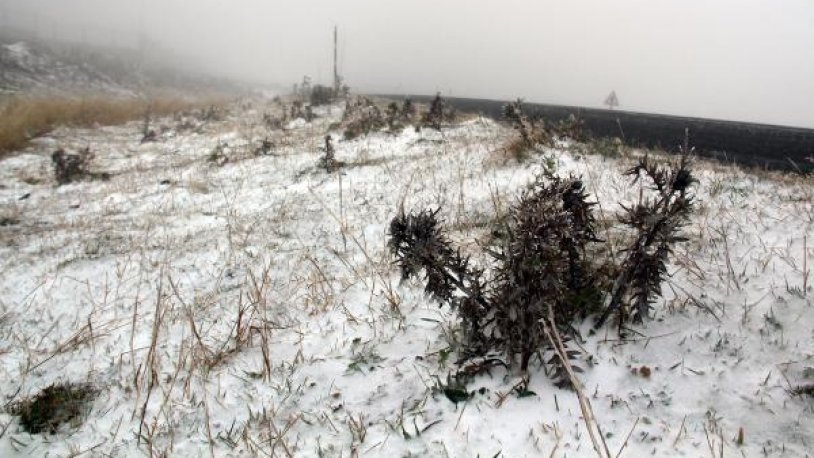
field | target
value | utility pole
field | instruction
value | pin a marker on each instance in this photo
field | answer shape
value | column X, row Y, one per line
column 337, row 80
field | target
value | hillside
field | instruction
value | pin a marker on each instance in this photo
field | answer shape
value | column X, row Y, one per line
column 252, row 308
column 53, row 69
column 27, row 68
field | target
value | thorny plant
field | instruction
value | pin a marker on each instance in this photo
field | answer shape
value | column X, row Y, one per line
column 148, row 134
column 218, row 155
column 656, row 221
column 546, row 277
column 70, row 167
column 265, row 148
column 541, row 265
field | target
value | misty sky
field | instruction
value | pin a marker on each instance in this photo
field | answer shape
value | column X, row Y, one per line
column 734, row 59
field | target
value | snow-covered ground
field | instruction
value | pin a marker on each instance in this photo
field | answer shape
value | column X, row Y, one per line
column 253, row 310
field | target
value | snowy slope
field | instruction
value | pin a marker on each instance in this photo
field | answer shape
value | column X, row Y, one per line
column 32, row 68
column 142, row 279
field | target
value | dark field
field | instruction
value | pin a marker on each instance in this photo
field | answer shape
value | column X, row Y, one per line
column 757, row 145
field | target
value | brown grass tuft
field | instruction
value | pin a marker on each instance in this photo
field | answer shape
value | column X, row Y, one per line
column 515, row 149
column 23, row 118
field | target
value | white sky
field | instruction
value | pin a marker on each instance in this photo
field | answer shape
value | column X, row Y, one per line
column 735, row 59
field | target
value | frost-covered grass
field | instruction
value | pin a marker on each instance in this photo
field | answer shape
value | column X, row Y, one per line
column 253, row 309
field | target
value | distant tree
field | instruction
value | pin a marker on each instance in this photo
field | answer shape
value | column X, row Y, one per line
column 612, row 101
column 305, row 87
column 435, row 115
column 393, row 116
column 408, row 110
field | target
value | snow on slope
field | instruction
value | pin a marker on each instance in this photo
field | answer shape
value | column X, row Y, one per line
column 30, row 68
column 353, row 354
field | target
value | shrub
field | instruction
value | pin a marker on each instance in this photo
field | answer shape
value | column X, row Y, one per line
column 9, row 216
column 571, row 127
column 265, row 148
column 147, row 134
column 531, row 135
column 363, row 121
column 276, row 122
column 545, row 268
column 297, row 110
column 212, row 113
column 541, row 268
column 354, row 106
column 71, row 167
column 393, row 117
column 350, row 108
column 218, row 155
column 435, row 115
column 53, row 407
column 656, row 220
column 450, row 114
column 804, row 389
column 547, row 275
column 321, row 95
column 609, row 147
column 408, row 110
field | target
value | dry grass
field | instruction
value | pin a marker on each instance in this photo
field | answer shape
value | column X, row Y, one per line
column 513, row 150
column 23, row 118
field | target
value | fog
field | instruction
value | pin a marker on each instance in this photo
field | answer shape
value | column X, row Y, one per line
column 747, row 60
